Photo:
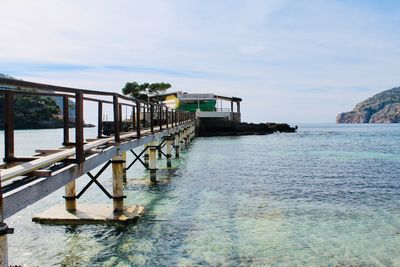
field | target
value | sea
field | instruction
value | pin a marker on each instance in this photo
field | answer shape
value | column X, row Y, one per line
column 327, row 195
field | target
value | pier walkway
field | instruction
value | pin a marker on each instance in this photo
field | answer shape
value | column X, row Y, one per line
column 25, row 180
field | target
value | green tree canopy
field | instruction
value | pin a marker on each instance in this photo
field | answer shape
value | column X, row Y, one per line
column 145, row 90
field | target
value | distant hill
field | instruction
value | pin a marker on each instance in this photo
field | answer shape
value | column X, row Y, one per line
column 36, row 112
column 381, row 108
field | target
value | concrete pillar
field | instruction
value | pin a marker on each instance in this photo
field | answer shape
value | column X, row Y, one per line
column 177, row 145
column 181, row 140
column 70, row 194
column 3, row 249
column 118, row 183
column 193, row 131
column 124, row 166
column 159, row 150
column 185, row 137
column 152, row 161
column 146, row 155
column 168, row 146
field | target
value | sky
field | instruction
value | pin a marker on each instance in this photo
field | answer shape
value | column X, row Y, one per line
column 290, row 61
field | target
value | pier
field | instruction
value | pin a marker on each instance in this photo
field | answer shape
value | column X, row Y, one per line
column 25, row 180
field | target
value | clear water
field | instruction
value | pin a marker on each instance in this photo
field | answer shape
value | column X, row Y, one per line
column 328, row 195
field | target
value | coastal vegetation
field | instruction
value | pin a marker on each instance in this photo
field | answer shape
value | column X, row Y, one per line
column 145, row 90
column 380, row 108
column 33, row 112
column 36, row 112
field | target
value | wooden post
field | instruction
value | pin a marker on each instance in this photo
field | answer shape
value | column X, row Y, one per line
column 177, row 145
column 238, row 107
column 168, row 147
column 152, row 161
column 117, row 174
column 70, row 194
column 8, row 126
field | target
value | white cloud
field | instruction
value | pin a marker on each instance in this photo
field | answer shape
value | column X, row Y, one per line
column 279, row 56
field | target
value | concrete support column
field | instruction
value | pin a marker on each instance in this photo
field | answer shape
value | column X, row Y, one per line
column 181, row 140
column 118, row 184
column 185, row 137
column 124, row 166
column 159, row 150
column 177, row 145
column 152, row 161
column 168, row 146
column 3, row 249
column 146, row 156
column 193, row 131
column 188, row 135
column 70, row 194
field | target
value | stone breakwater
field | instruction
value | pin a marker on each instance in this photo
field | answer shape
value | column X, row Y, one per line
column 244, row 129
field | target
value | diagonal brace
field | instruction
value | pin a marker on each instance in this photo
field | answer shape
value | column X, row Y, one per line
column 94, row 180
column 137, row 158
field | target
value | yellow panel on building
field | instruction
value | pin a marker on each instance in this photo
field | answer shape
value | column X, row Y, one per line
column 171, row 101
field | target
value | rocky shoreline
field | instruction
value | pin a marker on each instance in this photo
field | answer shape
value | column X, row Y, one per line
column 245, row 129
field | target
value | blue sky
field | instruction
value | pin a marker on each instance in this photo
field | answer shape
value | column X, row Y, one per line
column 290, row 61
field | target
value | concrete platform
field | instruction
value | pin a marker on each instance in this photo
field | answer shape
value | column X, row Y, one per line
column 89, row 214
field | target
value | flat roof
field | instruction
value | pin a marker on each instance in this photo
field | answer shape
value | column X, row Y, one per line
column 199, row 96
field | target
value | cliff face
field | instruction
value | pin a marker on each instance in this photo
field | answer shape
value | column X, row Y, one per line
column 381, row 108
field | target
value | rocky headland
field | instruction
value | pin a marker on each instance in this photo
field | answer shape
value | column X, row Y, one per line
column 380, row 108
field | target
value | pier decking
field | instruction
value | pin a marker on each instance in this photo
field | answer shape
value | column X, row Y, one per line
column 25, row 180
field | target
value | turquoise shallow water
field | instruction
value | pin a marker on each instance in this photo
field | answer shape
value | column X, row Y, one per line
column 328, row 195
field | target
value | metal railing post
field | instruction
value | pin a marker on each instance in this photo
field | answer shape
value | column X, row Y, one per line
column 120, row 117
column 65, row 121
column 166, row 116
column 79, row 127
column 151, row 118
column 144, row 115
column 8, row 126
column 160, row 117
column 116, row 118
column 99, row 119
column 137, row 118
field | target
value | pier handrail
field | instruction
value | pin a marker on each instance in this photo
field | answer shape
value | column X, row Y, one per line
column 167, row 117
